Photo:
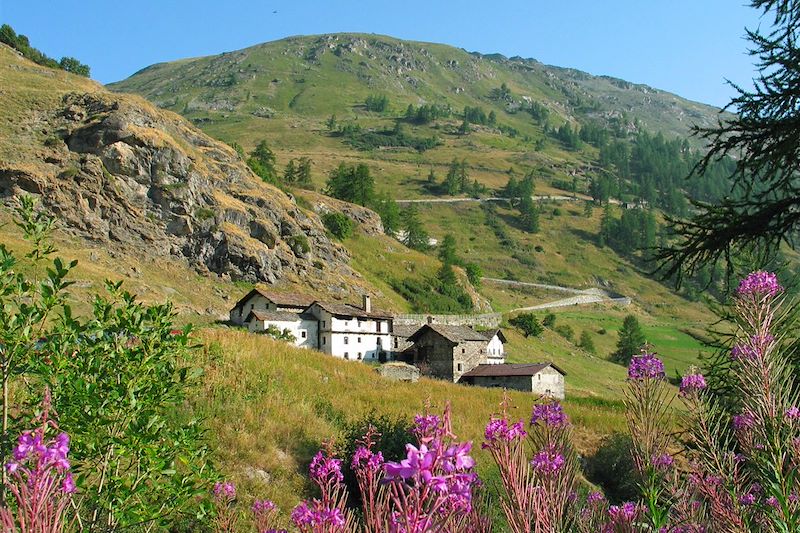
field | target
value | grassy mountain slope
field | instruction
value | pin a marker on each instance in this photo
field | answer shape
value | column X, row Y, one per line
column 270, row 407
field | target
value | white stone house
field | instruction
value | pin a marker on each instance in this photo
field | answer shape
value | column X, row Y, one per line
column 495, row 353
column 302, row 326
column 268, row 301
column 353, row 333
column 545, row 379
column 342, row 330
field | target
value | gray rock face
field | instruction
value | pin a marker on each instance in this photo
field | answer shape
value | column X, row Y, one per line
column 145, row 180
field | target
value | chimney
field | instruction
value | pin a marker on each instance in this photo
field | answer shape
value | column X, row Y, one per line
column 430, row 320
column 367, row 304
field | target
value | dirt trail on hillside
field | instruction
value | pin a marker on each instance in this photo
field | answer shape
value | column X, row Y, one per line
column 581, row 296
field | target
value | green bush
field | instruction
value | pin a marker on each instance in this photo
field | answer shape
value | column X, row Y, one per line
column 549, row 320
column 299, row 243
column 613, row 469
column 118, row 381
column 566, row 332
column 474, row 274
column 527, row 324
column 339, row 224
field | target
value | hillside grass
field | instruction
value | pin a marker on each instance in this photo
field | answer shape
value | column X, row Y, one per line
column 270, row 406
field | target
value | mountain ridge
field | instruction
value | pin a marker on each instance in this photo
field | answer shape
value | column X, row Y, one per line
column 560, row 88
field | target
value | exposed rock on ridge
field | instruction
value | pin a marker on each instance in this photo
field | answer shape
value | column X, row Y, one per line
column 120, row 172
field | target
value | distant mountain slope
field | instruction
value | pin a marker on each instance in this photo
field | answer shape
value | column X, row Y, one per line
column 325, row 74
column 126, row 175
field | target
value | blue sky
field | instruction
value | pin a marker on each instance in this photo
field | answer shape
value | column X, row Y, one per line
column 684, row 46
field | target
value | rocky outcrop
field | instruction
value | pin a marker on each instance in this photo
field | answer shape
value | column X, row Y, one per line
column 122, row 173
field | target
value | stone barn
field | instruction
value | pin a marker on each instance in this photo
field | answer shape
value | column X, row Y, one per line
column 446, row 352
column 545, row 379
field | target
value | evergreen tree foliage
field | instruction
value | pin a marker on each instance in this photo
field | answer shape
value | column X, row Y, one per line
column 631, row 340
column 529, row 214
column 290, row 173
column 377, row 103
column 352, row 184
column 262, row 163
column 447, row 250
column 764, row 138
column 303, row 175
column 389, row 211
column 416, row 237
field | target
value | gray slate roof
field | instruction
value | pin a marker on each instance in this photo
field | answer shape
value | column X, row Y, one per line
column 404, row 331
column 456, row 334
column 287, row 300
column 520, row 369
column 350, row 310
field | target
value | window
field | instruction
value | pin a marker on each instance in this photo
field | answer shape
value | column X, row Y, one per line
column 323, row 324
column 303, row 334
column 358, row 340
column 323, row 340
column 539, row 376
column 347, row 340
column 459, row 367
column 359, row 356
column 463, row 350
column 395, row 342
column 347, row 355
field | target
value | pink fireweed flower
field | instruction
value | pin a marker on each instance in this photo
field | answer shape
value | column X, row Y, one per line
column 302, row 515
column 743, row 352
column 366, row 458
column 68, row 484
column 661, row 462
column 692, row 383
column 759, row 283
column 747, row 499
column 548, row 461
column 645, row 366
column 224, row 490
column 792, row 413
column 624, row 513
column 427, row 425
column 457, row 457
column 325, row 469
column 773, row 502
column 498, row 430
column 550, row 414
column 595, row 497
column 744, row 421
column 262, row 506
column 417, row 460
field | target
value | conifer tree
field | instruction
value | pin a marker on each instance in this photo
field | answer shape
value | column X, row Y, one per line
column 631, row 340
column 764, row 137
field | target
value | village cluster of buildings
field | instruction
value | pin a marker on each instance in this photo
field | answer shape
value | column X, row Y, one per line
column 459, row 354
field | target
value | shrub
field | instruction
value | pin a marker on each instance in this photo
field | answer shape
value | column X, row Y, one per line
column 586, row 342
column 474, row 274
column 565, row 330
column 611, row 467
column 299, row 244
column 527, row 324
column 339, row 224
column 549, row 320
